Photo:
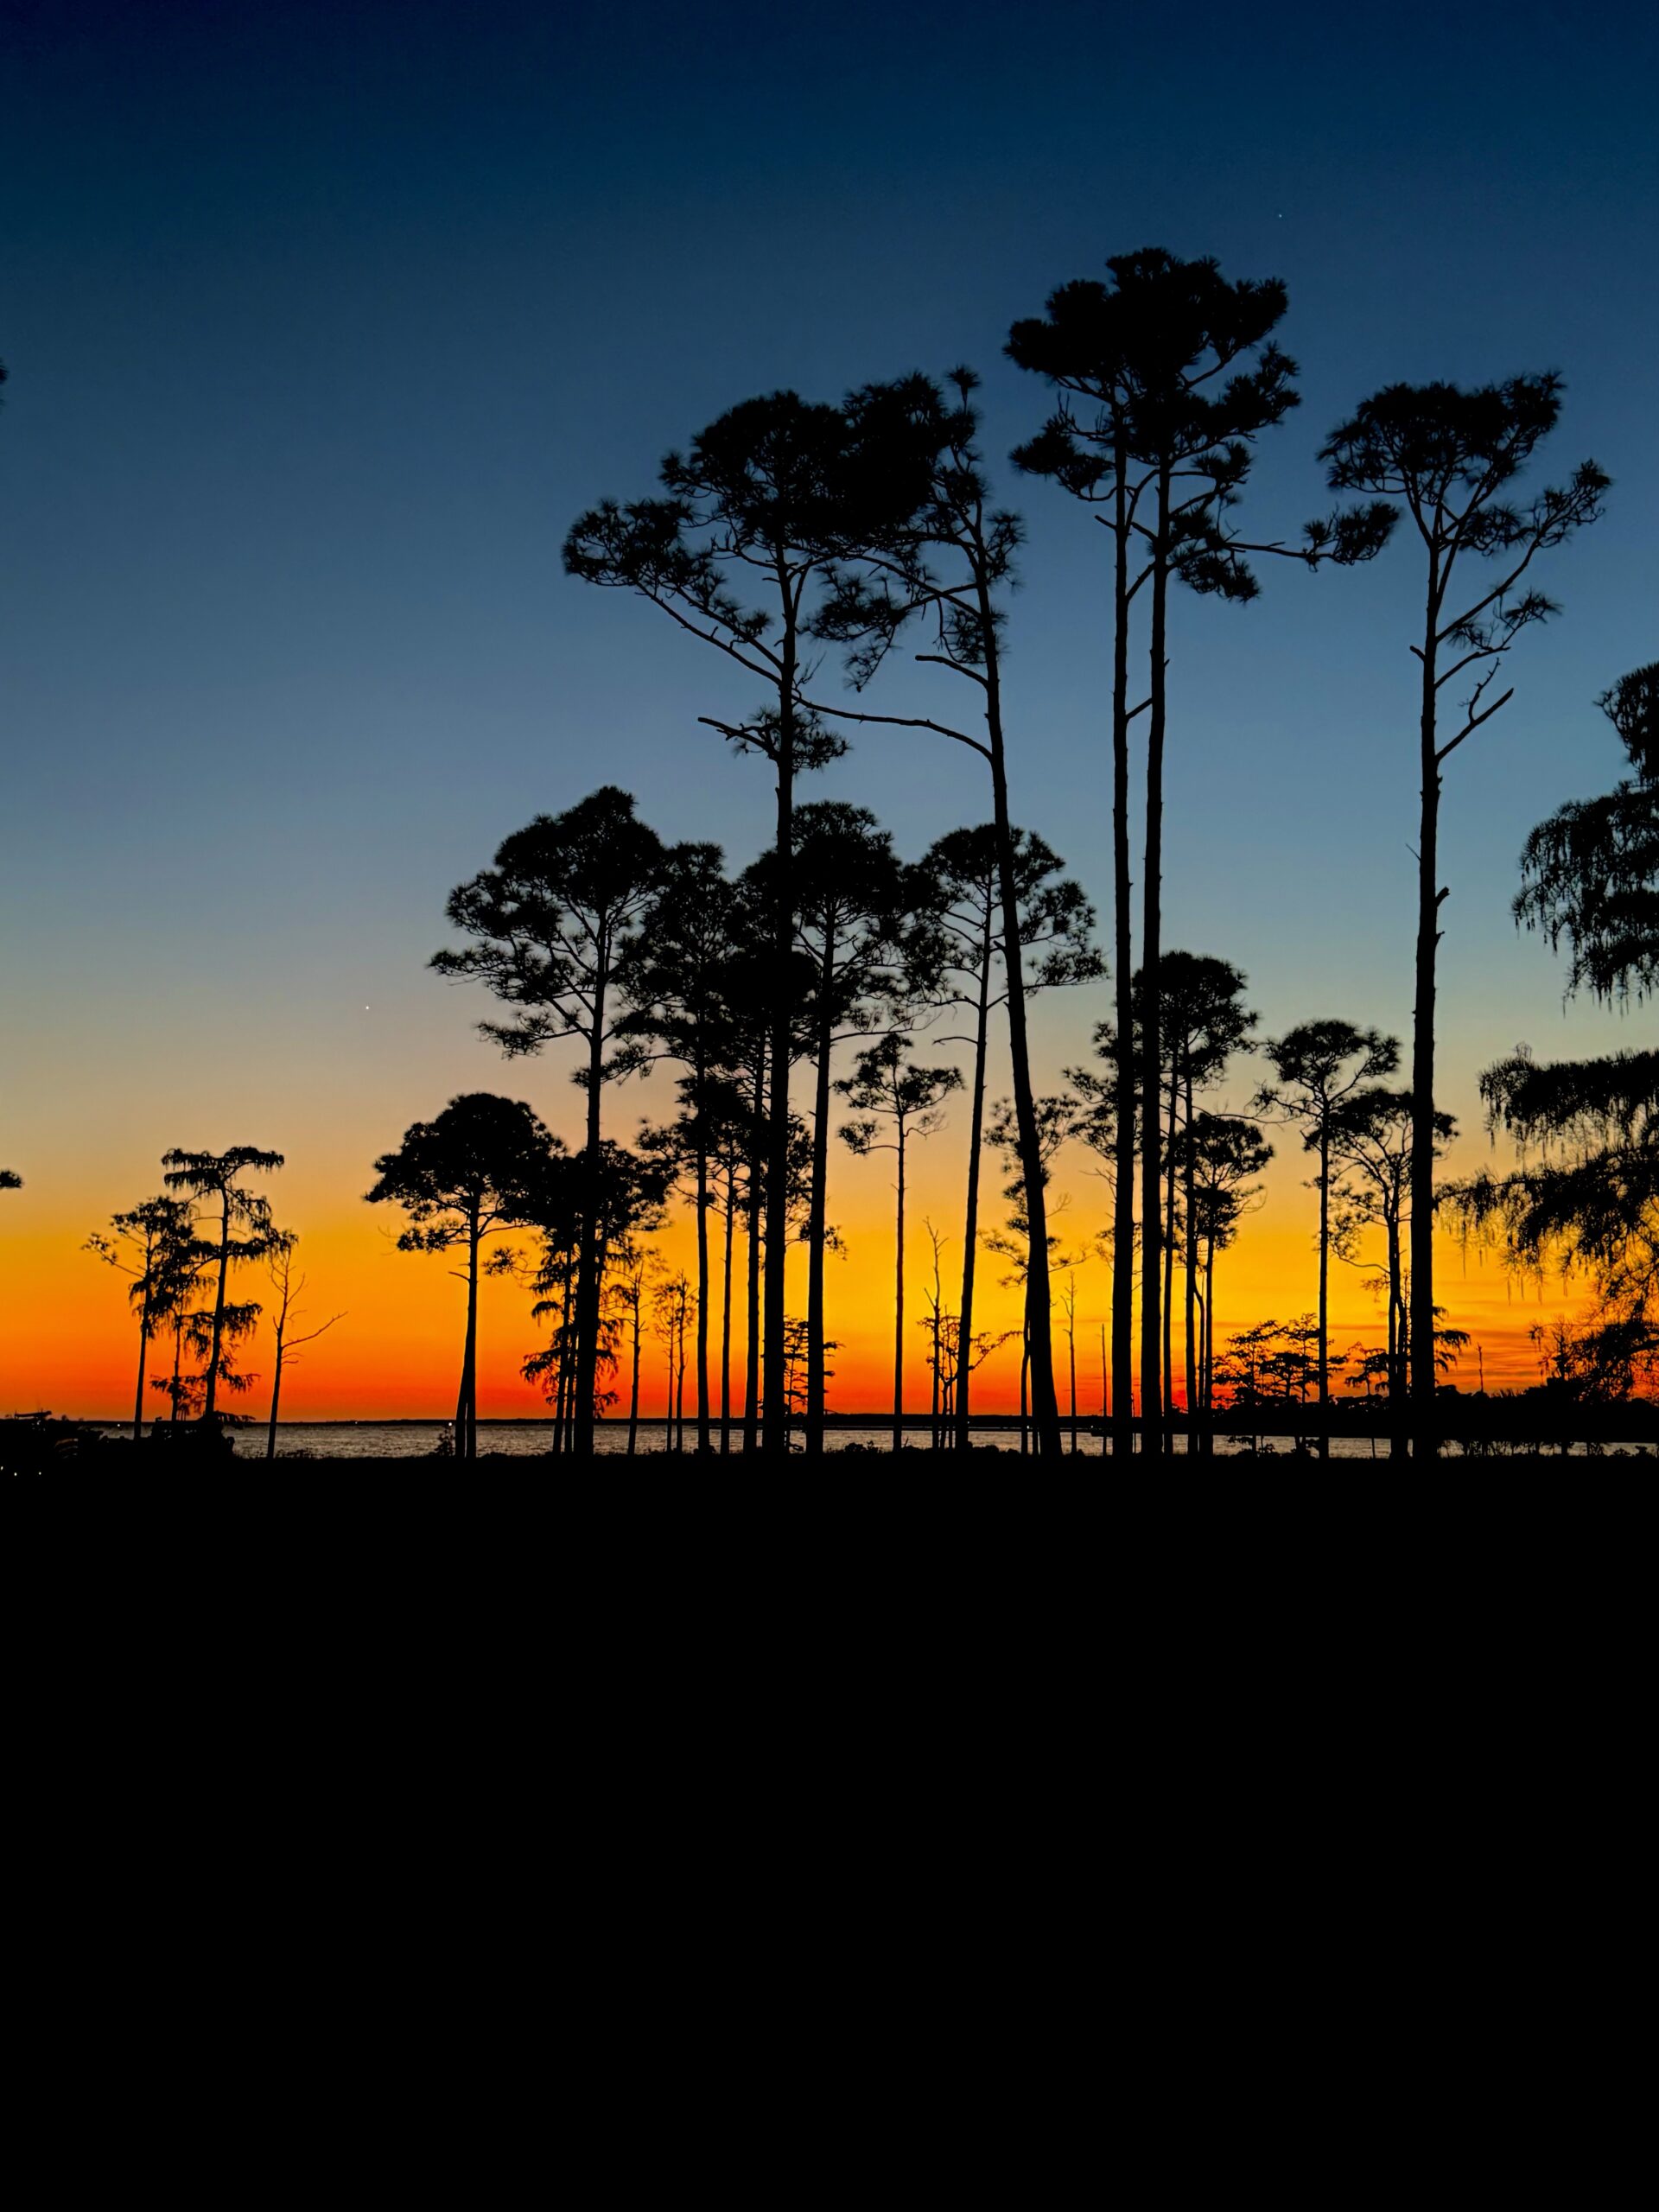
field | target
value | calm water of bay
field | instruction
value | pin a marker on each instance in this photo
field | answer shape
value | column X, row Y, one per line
column 531, row 1439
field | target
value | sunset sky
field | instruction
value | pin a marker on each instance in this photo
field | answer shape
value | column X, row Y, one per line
column 322, row 323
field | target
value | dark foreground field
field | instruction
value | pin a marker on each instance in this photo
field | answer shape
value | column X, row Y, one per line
column 766, row 1600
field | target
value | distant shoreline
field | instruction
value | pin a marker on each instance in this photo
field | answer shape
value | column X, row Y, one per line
column 538, row 1420
column 1635, row 1422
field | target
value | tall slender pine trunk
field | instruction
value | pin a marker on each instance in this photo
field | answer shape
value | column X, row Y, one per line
column 1152, row 1408
column 275, row 1400
column 898, row 1309
column 679, row 1398
column 211, row 1399
column 1045, row 1406
column 566, row 1347
column 587, row 1378
column 756, row 1196
column 774, row 1412
column 1072, row 1357
column 469, row 1362
column 1424, row 1440
column 819, row 1199
column 725, row 1317
column 1124, row 1088
column 144, row 1350
column 705, row 1438
column 1398, row 1409
column 1171, row 1172
column 1190, row 1271
column 1324, row 1282
column 633, row 1393
column 970, row 1226
column 935, row 1429
column 460, row 1388
column 560, row 1390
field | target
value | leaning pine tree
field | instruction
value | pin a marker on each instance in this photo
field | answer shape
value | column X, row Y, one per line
column 951, row 569
column 1055, row 927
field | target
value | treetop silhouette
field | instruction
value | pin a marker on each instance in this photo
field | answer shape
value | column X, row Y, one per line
column 555, row 924
column 483, row 1165
column 553, row 919
column 1320, row 1066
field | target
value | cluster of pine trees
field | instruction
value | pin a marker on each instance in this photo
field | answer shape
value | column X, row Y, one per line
column 180, row 1251
column 788, row 531
column 801, row 545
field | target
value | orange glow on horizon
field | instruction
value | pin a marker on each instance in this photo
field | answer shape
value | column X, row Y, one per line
column 69, row 1345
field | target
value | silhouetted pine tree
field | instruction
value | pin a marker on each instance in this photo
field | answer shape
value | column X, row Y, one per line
column 1054, row 925
column 1225, row 1153
column 555, row 921
column 629, row 1287
column 481, row 1168
column 1449, row 456
column 730, row 1123
column 155, row 1244
column 574, row 1210
column 765, row 498
column 1017, row 1243
column 951, row 568
column 1202, row 1022
column 1319, row 1065
column 681, row 985
column 1177, row 376
column 1371, row 1139
column 851, row 910
column 213, row 1178
column 889, row 1092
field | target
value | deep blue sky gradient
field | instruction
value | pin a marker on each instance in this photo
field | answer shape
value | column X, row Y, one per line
column 324, row 322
